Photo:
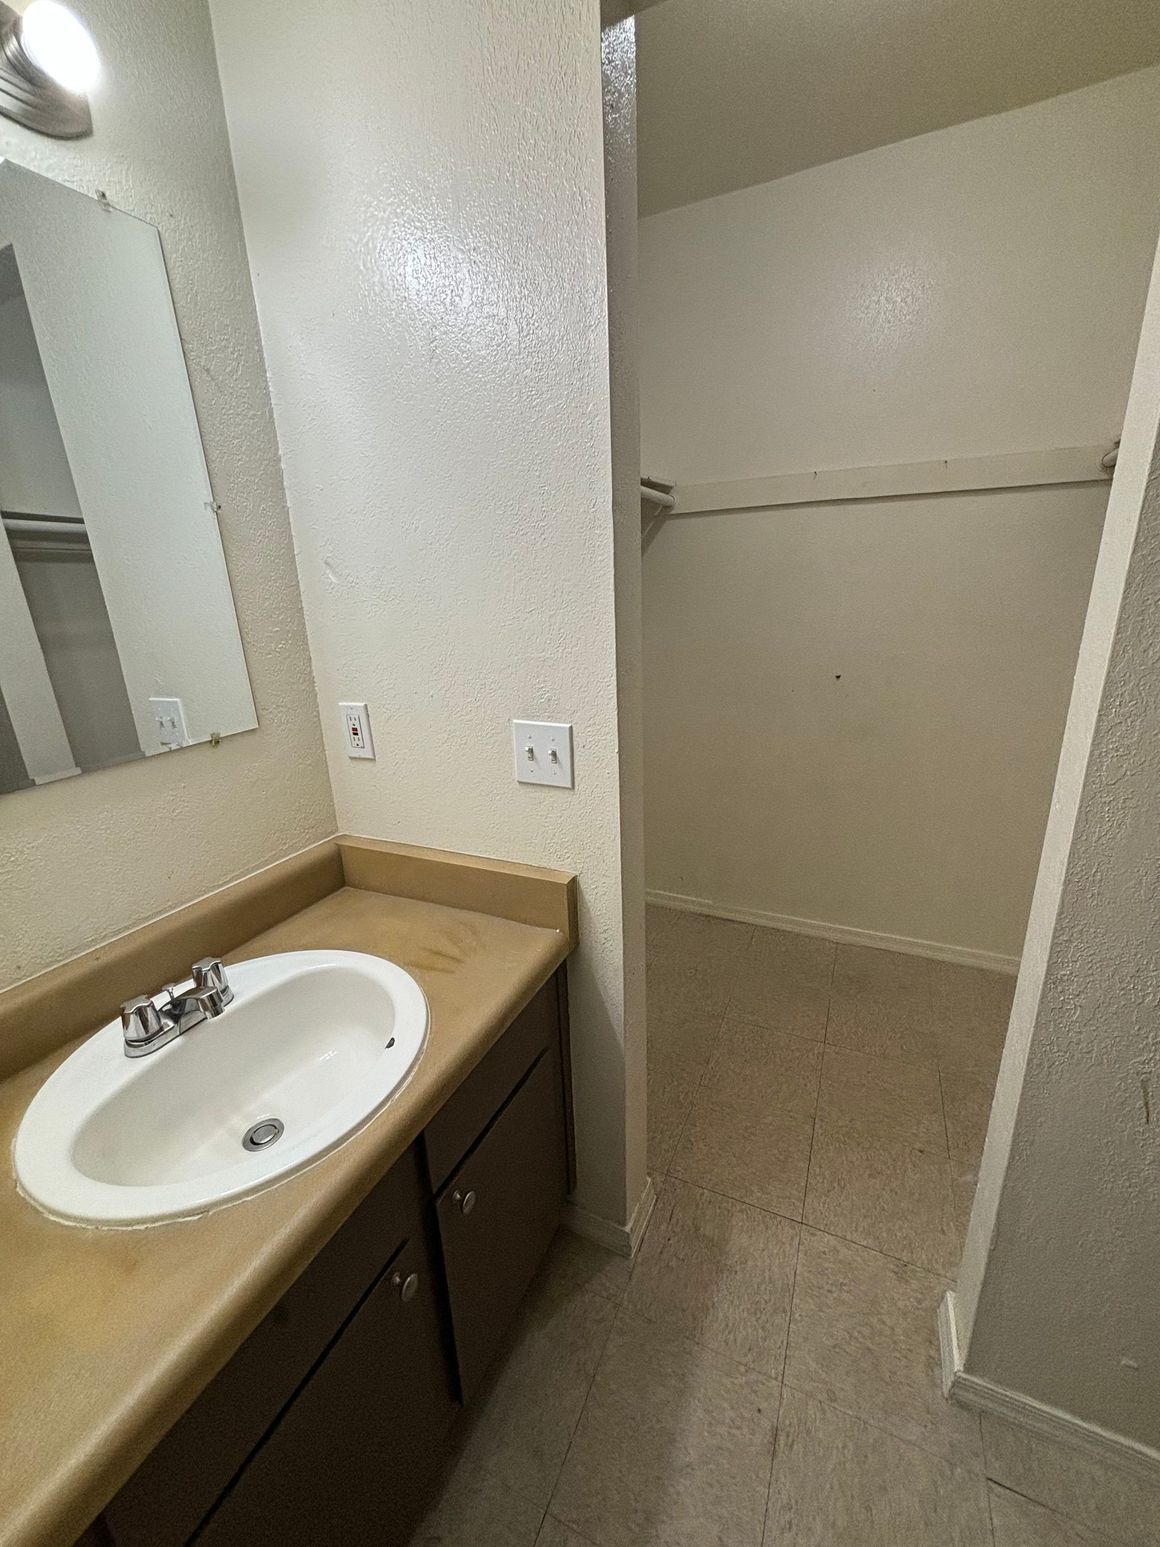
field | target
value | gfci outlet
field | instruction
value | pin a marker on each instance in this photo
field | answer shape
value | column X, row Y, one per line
column 543, row 752
column 356, row 730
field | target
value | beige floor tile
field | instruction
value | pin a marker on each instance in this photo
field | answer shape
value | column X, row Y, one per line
column 1018, row 1522
column 879, row 1173
column 969, row 1013
column 783, row 981
column 838, row 1482
column 863, row 1338
column 887, row 1098
column 736, row 1143
column 865, row 968
column 686, row 1036
column 1092, row 1493
column 983, row 993
column 967, row 1104
column 686, row 991
column 787, row 1068
column 691, row 963
column 583, row 1264
column 522, row 1420
column 553, row 1533
column 671, row 1086
column 479, row 1512
column 750, row 1126
column 880, row 1003
column 893, row 1197
column 719, row 1272
column 673, row 1449
column 689, row 935
column 680, row 1044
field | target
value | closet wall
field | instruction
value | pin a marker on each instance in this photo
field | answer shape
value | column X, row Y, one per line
column 853, row 710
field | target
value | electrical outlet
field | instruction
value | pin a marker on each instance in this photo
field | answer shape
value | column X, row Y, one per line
column 543, row 753
column 356, row 730
column 169, row 713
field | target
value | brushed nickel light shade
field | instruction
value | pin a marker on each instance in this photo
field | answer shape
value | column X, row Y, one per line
column 47, row 63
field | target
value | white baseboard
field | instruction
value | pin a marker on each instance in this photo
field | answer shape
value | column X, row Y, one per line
column 1051, row 1423
column 846, row 934
column 950, row 1359
column 624, row 1240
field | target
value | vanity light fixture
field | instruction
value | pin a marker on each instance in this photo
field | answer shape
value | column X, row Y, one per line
column 48, row 64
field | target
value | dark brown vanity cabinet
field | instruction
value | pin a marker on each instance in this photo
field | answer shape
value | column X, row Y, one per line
column 329, row 1423
column 497, row 1215
column 342, row 1463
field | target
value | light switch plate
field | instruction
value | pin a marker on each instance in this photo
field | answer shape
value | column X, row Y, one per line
column 169, row 713
column 356, row 730
column 543, row 753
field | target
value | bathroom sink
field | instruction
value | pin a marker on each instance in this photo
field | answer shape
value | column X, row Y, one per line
column 312, row 1046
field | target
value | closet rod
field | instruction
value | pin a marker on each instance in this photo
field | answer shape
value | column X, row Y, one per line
column 947, row 475
column 45, row 534
column 30, row 521
column 657, row 497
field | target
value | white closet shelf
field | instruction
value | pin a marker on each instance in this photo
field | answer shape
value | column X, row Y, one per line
column 947, row 475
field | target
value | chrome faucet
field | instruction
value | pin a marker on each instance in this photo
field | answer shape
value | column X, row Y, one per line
column 149, row 1025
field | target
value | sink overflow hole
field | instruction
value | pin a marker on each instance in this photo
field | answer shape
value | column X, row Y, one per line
column 264, row 1133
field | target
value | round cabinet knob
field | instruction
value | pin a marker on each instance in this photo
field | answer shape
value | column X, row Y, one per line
column 465, row 1200
column 408, row 1287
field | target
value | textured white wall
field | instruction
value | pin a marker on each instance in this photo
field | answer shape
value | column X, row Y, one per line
column 975, row 291
column 422, row 192
column 89, row 857
column 853, row 712
column 1057, row 1292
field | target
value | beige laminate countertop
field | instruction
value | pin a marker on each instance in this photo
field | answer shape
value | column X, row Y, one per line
column 106, row 1336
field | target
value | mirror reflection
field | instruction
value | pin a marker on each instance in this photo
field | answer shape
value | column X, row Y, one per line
column 118, row 636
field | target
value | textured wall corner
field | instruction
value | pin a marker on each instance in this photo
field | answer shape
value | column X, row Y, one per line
column 1057, row 1292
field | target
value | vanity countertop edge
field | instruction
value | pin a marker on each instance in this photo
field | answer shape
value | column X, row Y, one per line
column 107, row 1336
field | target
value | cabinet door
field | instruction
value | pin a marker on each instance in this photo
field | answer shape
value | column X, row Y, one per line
column 351, row 1458
column 170, row 1494
column 498, row 1213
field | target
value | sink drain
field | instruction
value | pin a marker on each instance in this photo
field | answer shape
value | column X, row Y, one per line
column 264, row 1133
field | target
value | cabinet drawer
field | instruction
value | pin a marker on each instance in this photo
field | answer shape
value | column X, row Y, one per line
column 455, row 1128
column 498, row 1213
column 350, row 1461
column 170, row 1493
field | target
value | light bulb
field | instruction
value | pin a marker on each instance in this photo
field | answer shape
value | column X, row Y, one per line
column 60, row 46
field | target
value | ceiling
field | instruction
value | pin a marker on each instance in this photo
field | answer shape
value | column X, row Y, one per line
column 734, row 92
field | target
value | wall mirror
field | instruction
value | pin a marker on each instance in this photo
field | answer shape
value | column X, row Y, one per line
column 118, row 636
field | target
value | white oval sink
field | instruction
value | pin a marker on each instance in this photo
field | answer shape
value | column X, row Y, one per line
column 317, row 1041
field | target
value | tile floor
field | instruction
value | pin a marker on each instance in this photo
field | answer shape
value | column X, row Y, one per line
column 766, row 1373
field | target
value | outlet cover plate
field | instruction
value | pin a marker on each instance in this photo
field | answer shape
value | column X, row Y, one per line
column 356, row 730
column 169, row 715
column 543, row 753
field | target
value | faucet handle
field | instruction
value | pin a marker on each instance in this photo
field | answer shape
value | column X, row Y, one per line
column 210, row 973
column 141, row 1020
